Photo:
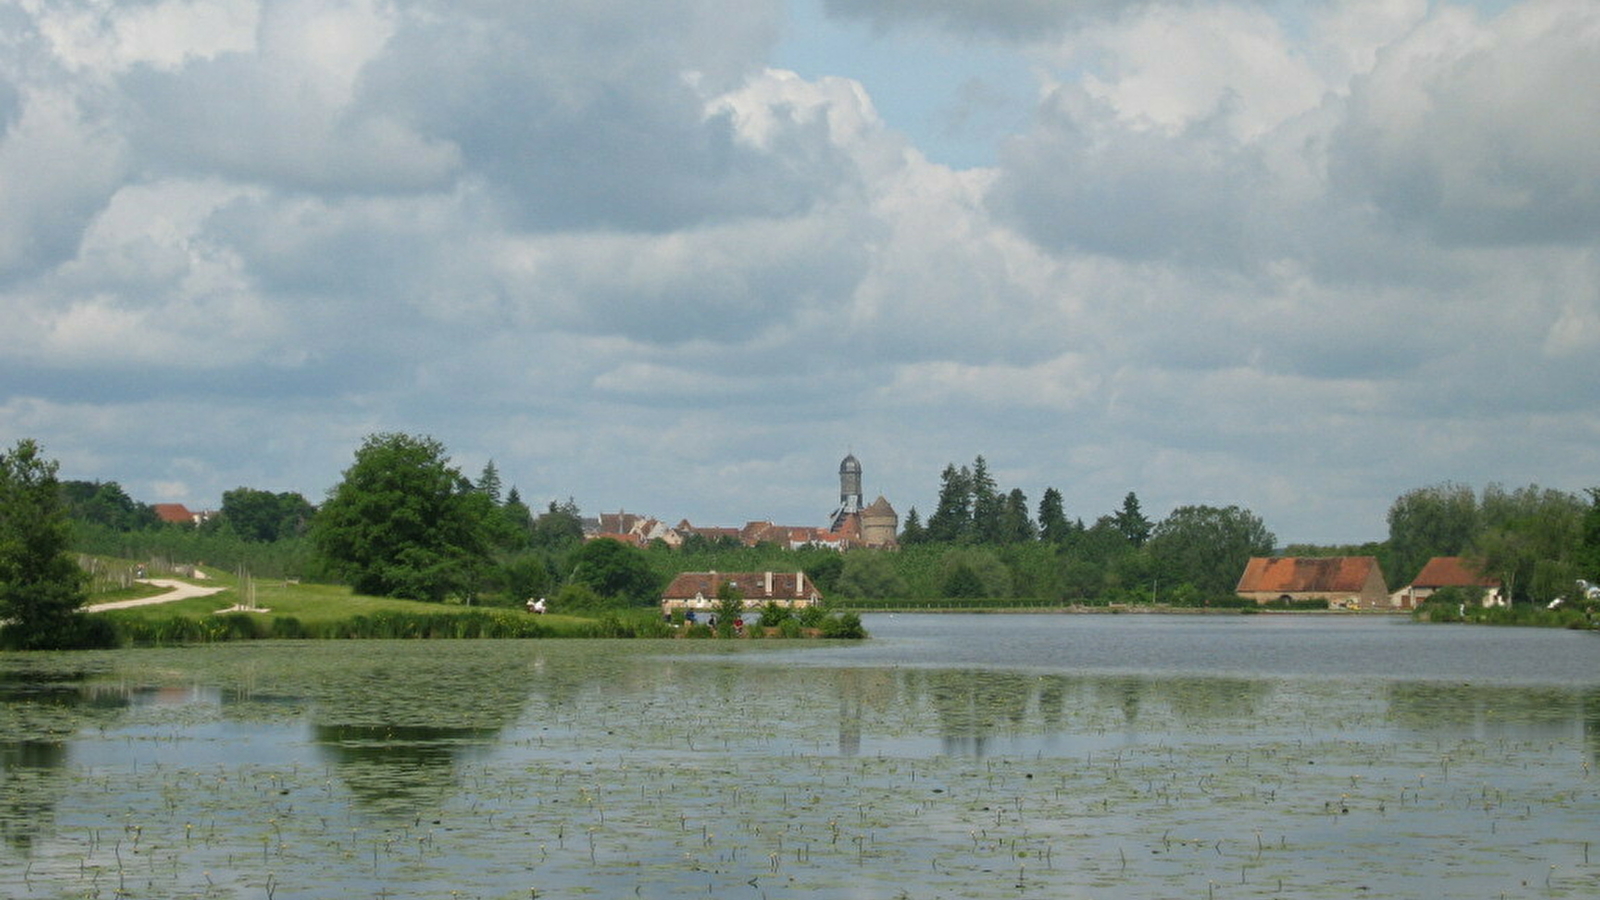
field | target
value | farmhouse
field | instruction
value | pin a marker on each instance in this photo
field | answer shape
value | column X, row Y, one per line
column 1351, row 582
column 698, row 590
column 1449, row 571
column 178, row 514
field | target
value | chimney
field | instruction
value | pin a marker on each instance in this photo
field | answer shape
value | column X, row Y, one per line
column 769, row 583
column 799, row 583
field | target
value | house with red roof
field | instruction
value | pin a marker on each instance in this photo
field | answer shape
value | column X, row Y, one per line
column 1445, row 572
column 1346, row 582
column 698, row 590
column 175, row 514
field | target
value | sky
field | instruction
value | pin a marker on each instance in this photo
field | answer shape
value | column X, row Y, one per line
column 678, row 258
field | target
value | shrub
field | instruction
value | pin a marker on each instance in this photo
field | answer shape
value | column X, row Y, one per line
column 843, row 625
column 774, row 614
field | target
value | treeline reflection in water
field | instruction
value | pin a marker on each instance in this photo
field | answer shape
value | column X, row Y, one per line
column 381, row 735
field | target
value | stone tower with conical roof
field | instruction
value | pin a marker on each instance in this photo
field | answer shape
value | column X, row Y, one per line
column 880, row 524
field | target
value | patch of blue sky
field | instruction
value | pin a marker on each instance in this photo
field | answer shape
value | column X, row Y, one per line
column 956, row 100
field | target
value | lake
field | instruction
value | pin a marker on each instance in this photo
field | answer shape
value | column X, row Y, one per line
column 1006, row 756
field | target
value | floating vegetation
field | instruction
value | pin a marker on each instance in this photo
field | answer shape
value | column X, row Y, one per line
column 504, row 769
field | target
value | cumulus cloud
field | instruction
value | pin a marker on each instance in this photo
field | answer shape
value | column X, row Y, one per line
column 1300, row 265
column 1481, row 131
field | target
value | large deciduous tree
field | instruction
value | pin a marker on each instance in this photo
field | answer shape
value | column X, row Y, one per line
column 107, row 504
column 41, row 585
column 257, row 515
column 404, row 522
column 1589, row 539
column 1208, row 547
column 870, row 575
column 614, row 569
column 1531, row 539
column 1433, row 521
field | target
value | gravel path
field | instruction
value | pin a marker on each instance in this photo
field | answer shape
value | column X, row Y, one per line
column 176, row 590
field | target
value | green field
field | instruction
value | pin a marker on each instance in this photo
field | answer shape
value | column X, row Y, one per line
column 276, row 608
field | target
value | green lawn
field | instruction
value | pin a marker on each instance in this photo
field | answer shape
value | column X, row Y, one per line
column 292, row 610
column 311, row 604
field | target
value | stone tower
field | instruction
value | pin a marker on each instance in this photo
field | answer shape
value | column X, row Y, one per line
column 849, row 491
column 880, row 524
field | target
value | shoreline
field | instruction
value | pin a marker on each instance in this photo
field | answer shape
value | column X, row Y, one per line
column 1116, row 610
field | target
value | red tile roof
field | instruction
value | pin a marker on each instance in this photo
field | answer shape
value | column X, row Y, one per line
column 632, row 540
column 753, row 585
column 1305, row 574
column 173, row 513
column 1452, row 571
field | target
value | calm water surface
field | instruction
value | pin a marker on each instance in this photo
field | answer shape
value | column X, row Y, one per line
column 950, row 756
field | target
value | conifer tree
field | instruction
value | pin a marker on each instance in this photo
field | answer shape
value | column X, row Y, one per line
column 1053, row 524
column 952, row 518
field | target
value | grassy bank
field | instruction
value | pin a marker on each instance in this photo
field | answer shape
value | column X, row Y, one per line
column 252, row 609
column 259, row 609
column 1577, row 617
column 1236, row 605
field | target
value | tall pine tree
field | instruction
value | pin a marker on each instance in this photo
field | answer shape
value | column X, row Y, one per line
column 952, row 518
column 1053, row 525
column 988, row 505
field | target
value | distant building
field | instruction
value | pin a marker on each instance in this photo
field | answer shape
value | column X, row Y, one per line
column 851, row 525
column 877, row 525
column 630, row 528
column 178, row 514
column 1448, row 571
column 698, row 590
column 1352, row 582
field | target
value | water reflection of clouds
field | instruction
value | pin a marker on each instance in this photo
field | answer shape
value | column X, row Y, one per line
column 468, row 766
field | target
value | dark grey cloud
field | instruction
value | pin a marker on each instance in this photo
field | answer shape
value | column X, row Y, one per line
column 1481, row 143
column 594, row 117
column 1018, row 20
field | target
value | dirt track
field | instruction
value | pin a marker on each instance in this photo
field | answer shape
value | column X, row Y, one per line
column 177, row 590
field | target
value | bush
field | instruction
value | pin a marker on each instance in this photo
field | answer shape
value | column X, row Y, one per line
column 843, row 625
column 79, row 631
column 579, row 598
column 774, row 614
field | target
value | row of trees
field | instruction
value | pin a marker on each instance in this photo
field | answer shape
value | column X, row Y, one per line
column 404, row 521
column 1196, row 553
column 972, row 509
column 1538, row 542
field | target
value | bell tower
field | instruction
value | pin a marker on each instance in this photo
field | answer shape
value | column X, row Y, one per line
column 850, row 484
column 849, row 491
